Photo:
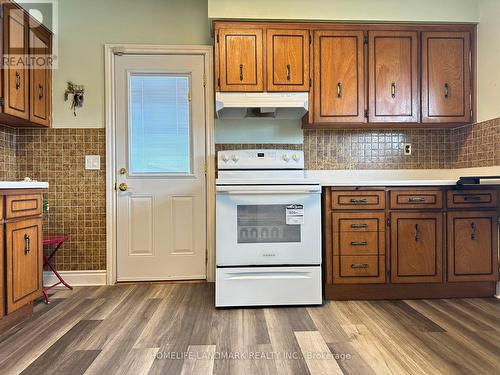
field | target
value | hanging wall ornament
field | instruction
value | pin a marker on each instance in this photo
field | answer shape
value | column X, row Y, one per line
column 76, row 91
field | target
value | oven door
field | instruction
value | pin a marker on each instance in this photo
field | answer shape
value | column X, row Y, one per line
column 268, row 225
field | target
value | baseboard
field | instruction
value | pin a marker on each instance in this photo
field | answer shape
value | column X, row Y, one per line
column 76, row 278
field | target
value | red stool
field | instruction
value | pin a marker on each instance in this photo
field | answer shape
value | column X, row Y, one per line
column 56, row 241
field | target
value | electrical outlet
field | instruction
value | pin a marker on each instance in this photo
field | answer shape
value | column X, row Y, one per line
column 407, row 149
column 92, row 162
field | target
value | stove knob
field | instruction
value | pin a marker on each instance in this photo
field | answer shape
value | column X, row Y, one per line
column 225, row 158
column 235, row 158
column 295, row 157
column 286, row 158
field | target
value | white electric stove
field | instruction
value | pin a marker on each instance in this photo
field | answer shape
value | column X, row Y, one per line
column 268, row 246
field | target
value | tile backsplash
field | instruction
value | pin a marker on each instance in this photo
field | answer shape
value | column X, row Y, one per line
column 77, row 197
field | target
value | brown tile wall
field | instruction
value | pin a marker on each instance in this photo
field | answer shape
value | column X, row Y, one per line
column 8, row 166
column 477, row 145
column 77, row 197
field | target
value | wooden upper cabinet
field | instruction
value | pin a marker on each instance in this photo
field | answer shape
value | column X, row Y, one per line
column 416, row 247
column 446, row 85
column 472, row 246
column 40, row 45
column 393, row 76
column 16, row 74
column 287, row 60
column 240, row 59
column 339, row 85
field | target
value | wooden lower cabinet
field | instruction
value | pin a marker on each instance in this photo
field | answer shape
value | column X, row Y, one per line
column 399, row 243
column 21, row 255
column 472, row 246
column 23, row 262
column 416, row 247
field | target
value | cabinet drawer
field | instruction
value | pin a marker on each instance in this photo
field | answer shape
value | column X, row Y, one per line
column 416, row 199
column 358, row 222
column 23, row 205
column 358, row 200
column 358, row 243
column 472, row 198
column 359, row 269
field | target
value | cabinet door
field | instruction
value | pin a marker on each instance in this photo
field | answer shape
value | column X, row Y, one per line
column 287, row 60
column 23, row 263
column 472, row 246
column 339, row 89
column 416, row 247
column 15, row 76
column 393, row 76
column 240, row 60
column 40, row 45
column 446, row 86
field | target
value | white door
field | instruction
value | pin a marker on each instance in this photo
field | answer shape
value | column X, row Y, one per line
column 160, row 160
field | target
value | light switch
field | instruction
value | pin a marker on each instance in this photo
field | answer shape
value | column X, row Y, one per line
column 92, row 162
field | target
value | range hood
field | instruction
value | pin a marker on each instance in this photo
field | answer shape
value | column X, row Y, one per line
column 278, row 105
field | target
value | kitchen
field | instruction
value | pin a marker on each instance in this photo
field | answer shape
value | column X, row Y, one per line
column 375, row 172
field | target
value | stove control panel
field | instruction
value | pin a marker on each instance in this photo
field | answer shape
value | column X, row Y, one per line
column 260, row 159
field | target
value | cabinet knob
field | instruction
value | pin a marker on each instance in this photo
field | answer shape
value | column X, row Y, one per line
column 417, row 232
column 18, row 81
column 27, row 242
column 393, row 90
column 241, row 72
column 339, row 90
column 446, row 90
column 40, row 91
column 288, row 73
column 473, row 231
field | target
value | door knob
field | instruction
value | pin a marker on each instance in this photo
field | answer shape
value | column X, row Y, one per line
column 123, row 171
column 123, row 186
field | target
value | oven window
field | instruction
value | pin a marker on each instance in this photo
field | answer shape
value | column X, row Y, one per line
column 265, row 224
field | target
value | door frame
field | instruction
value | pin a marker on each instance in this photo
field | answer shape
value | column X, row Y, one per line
column 110, row 51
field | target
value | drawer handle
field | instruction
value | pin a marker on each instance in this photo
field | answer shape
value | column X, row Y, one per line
column 446, row 90
column 359, row 265
column 416, row 199
column 359, row 200
column 40, row 91
column 359, row 243
column 473, row 231
column 359, row 225
column 241, row 72
column 393, row 90
column 27, row 241
column 18, row 81
column 472, row 198
column 339, row 90
column 417, row 232
column 288, row 73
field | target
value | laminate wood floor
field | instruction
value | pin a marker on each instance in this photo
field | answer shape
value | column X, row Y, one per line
column 175, row 329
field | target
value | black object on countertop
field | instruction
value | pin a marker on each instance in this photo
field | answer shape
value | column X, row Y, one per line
column 476, row 180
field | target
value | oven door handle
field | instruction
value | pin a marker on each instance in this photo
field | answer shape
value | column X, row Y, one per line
column 267, row 275
column 252, row 190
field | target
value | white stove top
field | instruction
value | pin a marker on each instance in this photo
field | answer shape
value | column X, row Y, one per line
column 262, row 167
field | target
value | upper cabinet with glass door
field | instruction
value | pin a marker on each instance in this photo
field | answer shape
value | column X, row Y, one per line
column 26, row 72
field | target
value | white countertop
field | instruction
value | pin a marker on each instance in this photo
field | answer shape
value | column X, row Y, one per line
column 398, row 177
column 23, row 185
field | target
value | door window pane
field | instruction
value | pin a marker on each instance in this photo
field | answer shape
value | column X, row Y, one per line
column 159, row 124
column 265, row 224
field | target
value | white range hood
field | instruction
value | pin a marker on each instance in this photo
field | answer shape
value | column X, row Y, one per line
column 278, row 105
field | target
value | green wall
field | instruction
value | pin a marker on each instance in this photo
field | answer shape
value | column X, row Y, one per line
column 86, row 25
